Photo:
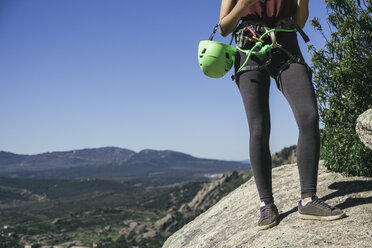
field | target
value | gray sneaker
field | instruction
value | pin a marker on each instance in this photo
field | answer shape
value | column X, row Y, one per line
column 317, row 209
column 269, row 215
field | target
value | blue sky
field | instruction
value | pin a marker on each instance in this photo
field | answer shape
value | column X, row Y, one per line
column 90, row 73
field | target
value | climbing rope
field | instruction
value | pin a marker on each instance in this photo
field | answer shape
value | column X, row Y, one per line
column 260, row 44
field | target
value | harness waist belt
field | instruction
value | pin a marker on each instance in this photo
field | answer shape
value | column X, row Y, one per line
column 261, row 27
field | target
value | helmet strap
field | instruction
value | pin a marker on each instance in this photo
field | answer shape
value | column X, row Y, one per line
column 215, row 30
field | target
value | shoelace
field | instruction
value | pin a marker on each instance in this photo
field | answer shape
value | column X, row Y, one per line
column 265, row 212
column 321, row 203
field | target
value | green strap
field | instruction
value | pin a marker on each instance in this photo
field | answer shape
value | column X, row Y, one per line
column 264, row 49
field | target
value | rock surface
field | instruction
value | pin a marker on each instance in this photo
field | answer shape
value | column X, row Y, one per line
column 232, row 221
column 364, row 128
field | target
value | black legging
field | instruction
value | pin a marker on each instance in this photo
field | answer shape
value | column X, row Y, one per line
column 296, row 86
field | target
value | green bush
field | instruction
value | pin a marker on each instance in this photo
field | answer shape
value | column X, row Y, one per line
column 343, row 82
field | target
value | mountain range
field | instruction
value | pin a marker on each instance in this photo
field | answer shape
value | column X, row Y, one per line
column 147, row 167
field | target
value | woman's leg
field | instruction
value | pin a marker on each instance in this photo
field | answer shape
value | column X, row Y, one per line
column 298, row 89
column 254, row 88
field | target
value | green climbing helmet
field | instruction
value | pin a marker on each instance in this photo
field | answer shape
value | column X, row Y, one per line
column 215, row 58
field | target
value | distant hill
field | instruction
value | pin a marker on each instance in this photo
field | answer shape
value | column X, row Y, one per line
column 10, row 162
column 147, row 167
column 246, row 161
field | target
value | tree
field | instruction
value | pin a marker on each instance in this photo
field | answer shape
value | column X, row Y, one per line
column 343, row 84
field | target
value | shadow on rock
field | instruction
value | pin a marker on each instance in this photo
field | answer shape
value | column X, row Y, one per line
column 343, row 189
column 347, row 188
column 285, row 214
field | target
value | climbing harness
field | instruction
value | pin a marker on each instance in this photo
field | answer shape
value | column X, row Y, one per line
column 260, row 43
column 247, row 35
column 216, row 58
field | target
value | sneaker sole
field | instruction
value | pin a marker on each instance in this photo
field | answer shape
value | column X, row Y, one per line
column 276, row 222
column 314, row 217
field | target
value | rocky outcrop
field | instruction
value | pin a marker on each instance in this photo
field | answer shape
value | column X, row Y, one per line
column 204, row 198
column 232, row 221
column 163, row 224
column 286, row 156
column 364, row 128
column 210, row 193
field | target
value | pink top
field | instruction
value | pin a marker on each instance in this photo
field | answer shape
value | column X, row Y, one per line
column 270, row 11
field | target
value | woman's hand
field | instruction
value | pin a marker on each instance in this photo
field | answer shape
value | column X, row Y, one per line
column 230, row 14
column 302, row 12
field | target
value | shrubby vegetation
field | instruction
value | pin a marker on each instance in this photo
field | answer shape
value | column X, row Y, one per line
column 343, row 82
column 97, row 211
